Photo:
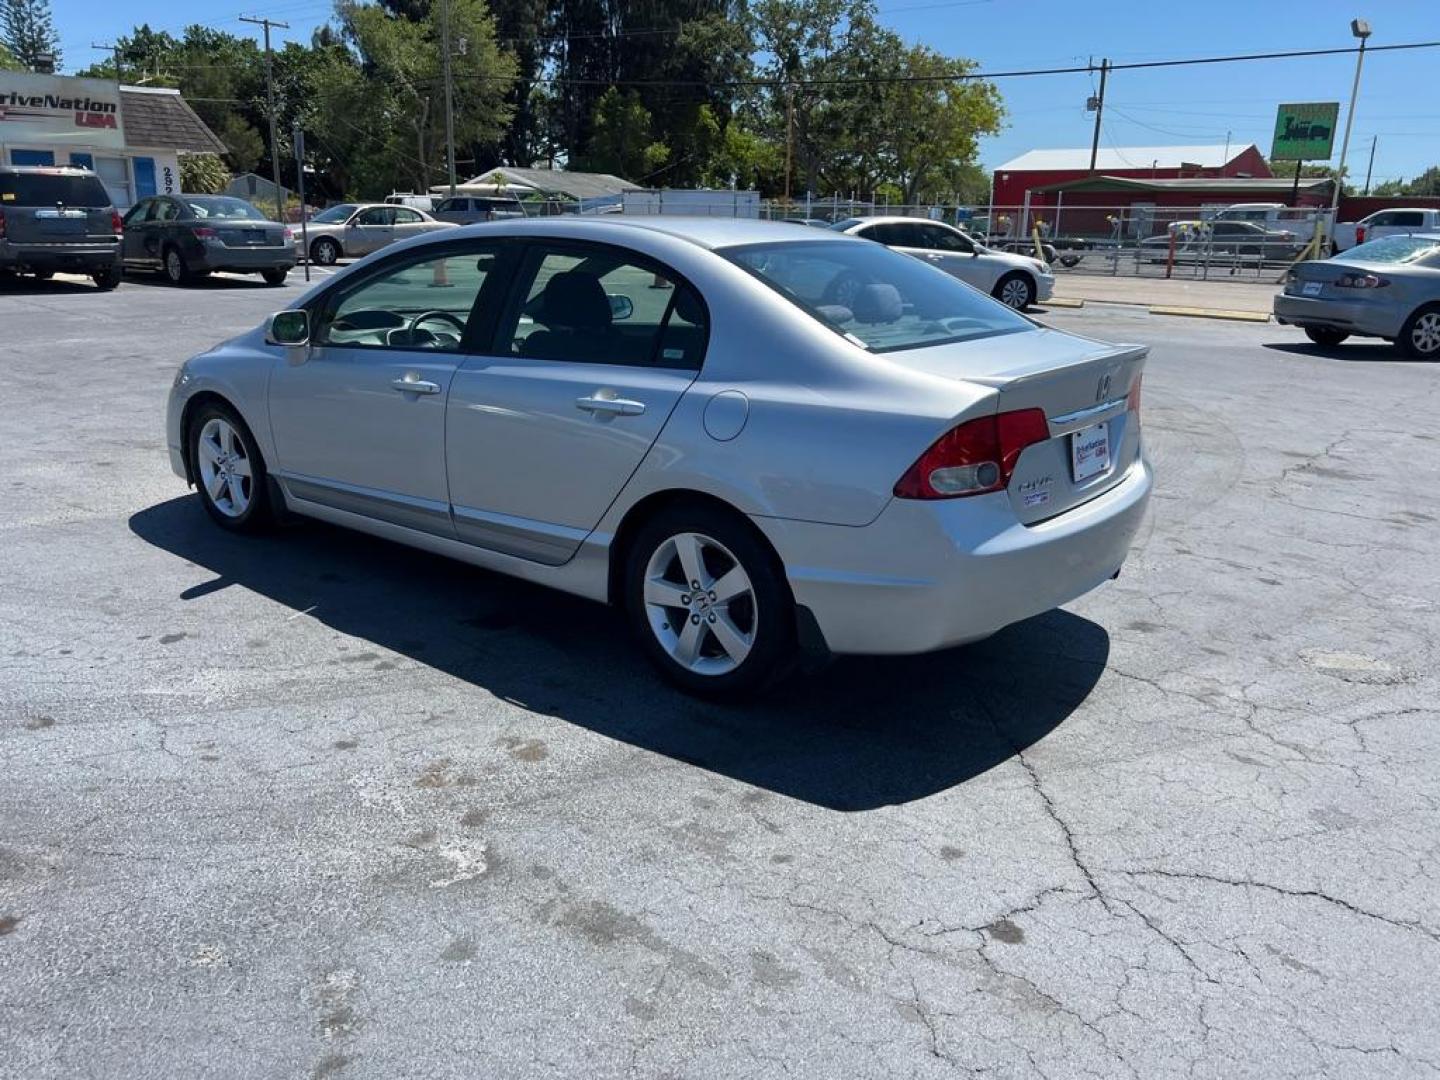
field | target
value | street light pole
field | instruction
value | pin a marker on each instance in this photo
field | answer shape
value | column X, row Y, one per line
column 270, row 96
column 1360, row 29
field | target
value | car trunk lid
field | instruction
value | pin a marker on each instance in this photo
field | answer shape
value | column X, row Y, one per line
column 251, row 234
column 1086, row 390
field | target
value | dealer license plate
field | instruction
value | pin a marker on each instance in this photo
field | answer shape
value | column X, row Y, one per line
column 1311, row 288
column 1090, row 451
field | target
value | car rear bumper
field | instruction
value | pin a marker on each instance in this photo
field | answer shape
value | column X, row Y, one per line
column 245, row 260
column 80, row 258
column 928, row 575
column 1355, row 316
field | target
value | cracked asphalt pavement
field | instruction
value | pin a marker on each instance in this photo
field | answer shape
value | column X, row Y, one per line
column 318, row 806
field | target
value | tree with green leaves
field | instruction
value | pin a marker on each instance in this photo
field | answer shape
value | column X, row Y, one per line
column 622, row 138
column 27, row 31
column 8, row 61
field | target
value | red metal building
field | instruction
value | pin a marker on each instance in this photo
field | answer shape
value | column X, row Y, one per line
column 1047, row 168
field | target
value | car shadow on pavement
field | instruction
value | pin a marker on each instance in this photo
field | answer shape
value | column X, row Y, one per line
column 29, row 286
column 861, row 733
column 1356, row 352
column 220, row 282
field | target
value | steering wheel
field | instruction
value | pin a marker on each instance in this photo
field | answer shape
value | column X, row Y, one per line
column 425, row 315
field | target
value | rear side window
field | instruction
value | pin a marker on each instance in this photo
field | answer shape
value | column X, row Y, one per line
column 604, row 306
column 50, row 189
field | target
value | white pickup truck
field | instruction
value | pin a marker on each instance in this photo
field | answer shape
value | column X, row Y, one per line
column 1401, row 222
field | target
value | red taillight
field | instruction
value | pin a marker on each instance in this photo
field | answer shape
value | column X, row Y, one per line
column 1134, row 396
column 1359, row 234
column 976, row 457
column 1361, row 281
column 203, row 232
column 116, row 224
column 2, row 224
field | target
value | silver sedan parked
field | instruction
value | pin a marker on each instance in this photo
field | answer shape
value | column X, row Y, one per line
column 349, row 230
column 1015, row 280
column 1387, row 288
column 681, row 417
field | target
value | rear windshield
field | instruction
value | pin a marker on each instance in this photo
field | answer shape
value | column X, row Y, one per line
column 1398, row 249
column 48, row 189
column 218, row 207
column 878, row 298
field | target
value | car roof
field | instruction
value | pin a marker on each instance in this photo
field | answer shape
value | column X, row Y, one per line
column 706, row 232
column 890, row 219
column 46, row 170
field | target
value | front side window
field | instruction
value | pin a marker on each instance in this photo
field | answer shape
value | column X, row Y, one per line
column 939, row 238
column 606, row 306
column 166, row 210
column 879, row 299
column 424, row 302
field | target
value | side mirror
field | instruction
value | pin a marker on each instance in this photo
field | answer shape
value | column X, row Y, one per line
column 288, row 328
column 621, row 306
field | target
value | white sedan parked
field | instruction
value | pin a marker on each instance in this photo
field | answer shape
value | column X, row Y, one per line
column 1014, row 280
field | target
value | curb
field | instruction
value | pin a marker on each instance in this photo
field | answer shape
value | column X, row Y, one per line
column 1060, row 301
column 1211, row 313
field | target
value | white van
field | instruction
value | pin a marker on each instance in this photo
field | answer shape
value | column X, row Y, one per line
column 419, row 202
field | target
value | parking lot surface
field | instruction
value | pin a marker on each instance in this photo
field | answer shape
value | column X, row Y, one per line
column 314, row 805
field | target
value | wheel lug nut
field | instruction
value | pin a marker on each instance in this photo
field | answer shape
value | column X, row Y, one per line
column 695, row 585
column 712, row 597
column 685, row 599
column 712, row 616
column 695, row 619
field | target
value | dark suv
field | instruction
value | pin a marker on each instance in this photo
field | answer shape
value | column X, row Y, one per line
column 55, row 219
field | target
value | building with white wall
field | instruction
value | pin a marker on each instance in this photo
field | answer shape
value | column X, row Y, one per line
column 132, row 136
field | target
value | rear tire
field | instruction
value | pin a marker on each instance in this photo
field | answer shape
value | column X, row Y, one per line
column 177, row 272
column 1420, row 337
column 230, row 475
column 325, row 252
column 274, row 277
column 1326, row 336
column 732, row 636
column 1015, row 290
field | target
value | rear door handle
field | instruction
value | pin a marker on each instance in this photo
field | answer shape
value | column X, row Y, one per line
column 414, row 386
column 610, row 406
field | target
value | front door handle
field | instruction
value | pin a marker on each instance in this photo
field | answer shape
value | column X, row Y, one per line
column 610, row 406
column 414, row 386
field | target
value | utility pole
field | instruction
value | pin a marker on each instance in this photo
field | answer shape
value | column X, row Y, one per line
column 270, row 95
column 115, row 49
column 1370, row 169
column 449, row 94
column 1099, row 101
column 789, row 140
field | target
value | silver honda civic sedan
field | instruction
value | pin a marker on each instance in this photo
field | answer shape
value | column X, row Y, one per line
column 757, row 440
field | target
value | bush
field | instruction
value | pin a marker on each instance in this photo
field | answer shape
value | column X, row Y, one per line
column 203, row 174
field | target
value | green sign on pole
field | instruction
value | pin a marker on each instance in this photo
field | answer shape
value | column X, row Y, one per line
column 1305, row 132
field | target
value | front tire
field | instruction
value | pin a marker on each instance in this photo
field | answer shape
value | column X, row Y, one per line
column 1015, row 291
column 229, row 472
column 1325, row 335
column 274, row 277
column 106, row 280
column 708, row 601
column 1420, row 337
column 325, row 252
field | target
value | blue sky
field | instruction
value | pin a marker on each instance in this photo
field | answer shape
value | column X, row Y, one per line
column 1398, row 99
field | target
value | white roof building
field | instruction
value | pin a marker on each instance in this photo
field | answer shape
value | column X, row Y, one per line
column 1111, row 159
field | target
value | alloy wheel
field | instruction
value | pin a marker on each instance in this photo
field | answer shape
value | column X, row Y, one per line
column 225, row 468
column 174, row 267
column 326, row 253
column 1425, row 334
column 700, row 604
column 1016, row 294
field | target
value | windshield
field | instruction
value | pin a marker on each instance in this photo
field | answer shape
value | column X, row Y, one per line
column 51, row 189
column 218, row 207
column 1398, row 249
column 876, row 297
column 335, row 215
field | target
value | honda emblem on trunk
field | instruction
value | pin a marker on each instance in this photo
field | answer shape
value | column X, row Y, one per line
column 1102, row 389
